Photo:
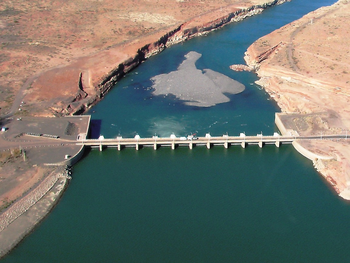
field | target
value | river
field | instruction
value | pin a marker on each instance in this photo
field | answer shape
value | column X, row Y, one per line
column 219, row 205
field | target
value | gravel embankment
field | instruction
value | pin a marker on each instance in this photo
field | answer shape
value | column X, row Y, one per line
column 17, row 221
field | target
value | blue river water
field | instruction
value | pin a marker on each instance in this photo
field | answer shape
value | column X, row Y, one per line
column 200, row 205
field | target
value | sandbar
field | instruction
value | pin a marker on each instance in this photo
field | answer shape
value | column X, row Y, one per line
column 195, row 87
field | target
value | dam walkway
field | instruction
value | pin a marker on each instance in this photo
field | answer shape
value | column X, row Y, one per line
column 190, row 141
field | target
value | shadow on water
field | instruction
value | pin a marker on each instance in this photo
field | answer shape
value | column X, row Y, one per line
column 95, row 129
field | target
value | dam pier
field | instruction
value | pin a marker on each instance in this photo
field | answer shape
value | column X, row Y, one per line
column 69, row 137
column 191, row 141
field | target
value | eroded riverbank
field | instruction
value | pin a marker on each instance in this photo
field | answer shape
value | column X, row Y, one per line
column 304, row 68
column 262, row 187
column 84, row 81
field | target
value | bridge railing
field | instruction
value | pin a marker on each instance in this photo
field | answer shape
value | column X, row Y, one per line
column 207, row 140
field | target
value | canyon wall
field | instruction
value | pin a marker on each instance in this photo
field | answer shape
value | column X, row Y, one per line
column 180, row 34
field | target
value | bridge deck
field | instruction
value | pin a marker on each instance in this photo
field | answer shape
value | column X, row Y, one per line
column 206, row 141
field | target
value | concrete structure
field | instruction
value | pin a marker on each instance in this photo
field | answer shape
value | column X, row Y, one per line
column 207, row 141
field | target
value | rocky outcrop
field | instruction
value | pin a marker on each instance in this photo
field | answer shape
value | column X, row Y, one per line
column 81, row 94
column 263, row 56
column 241, row 67
column 178, row 35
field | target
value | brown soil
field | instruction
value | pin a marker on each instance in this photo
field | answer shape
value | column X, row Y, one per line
column 308, row 73
column 17, row 178
column 45, row 46
column 64, row 39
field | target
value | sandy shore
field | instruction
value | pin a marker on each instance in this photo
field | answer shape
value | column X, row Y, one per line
column 304, row 67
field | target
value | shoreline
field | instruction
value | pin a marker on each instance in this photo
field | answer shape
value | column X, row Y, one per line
column 308, row 81
column 181, row 34
column 86, row 80
column 25, row 215
column 31, row 214
column 56, row 191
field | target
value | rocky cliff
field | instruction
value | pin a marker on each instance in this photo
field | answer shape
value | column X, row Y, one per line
column 180, row 34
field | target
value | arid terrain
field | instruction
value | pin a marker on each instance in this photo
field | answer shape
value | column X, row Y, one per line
column 305, row 67
column 54, row 55
column 87, row 39
column 59, row 58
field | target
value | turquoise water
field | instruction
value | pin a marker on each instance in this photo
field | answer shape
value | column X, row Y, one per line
column 200, row 205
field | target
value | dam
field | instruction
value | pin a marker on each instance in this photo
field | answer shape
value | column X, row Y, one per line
column 191, row 141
